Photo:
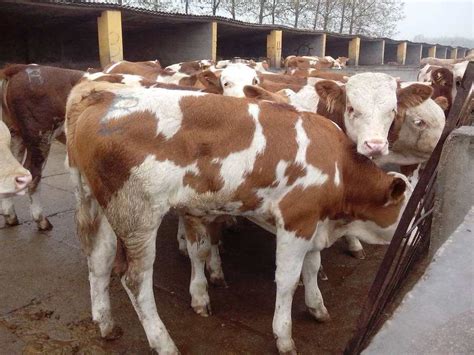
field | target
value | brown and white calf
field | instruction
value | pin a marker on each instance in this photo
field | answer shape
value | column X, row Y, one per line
column 14, row 178
column 229, row 81
column 365, row 107
column 34, row 104
column 191, row 67
column 153, row 72
column 210, row 155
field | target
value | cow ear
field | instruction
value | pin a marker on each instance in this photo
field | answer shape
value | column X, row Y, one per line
column 258, row 93
column 413, row 95
column 333, row 94
column 442, row 102
column 396, row 191
column 210, row 81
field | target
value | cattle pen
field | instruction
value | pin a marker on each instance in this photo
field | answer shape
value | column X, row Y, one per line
column 81, row 34
column 45, row 302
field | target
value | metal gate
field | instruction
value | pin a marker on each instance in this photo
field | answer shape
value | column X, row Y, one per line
column 412, row 237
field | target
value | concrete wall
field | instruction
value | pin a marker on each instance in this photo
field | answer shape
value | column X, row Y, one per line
column 253, row 45
column 303, row 44
column 462, row 52
column 441, row 52
column 413, row 54
column 169, row 44
column 371, row 52
column 74, row 48
column 454, row 186
column 390, row 53
column 337, row 47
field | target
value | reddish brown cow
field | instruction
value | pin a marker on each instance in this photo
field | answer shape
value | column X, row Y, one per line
column 210, row 155
column 34, row 103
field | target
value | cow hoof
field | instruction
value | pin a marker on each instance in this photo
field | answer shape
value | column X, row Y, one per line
column 358, row 254
column 321, row 314
column 44, row 225
column 290, row 352
column 203, row 311
column 322, row 275
column 115, row 333
column 286, row 348
column 218, row 282
column 11, row 221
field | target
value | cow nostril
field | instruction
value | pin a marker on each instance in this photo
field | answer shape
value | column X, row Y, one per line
column 22, row 181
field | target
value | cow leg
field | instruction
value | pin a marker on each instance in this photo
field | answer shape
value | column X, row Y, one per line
column 100, row 262
column 37, row 210
column 213, row 262
column 199, row 248
column 138, row 282
column 290, row 253
column 355, row 247
column 8, row 211
column 37, row 155
column 312, row 294
column 181, row 236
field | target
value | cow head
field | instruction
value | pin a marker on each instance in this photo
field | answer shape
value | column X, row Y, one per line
column 14, row 178
column 341, row 62
column 231, row 81
column 370, row 103
column 385, row 212
column 419, row 133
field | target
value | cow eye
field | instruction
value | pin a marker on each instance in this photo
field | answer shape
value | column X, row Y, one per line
column 226, row 84
column 420, row 123
column 350, row 109
column 254, row 81
column 458, row 83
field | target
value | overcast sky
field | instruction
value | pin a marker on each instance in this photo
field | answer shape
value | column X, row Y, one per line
column 437, row 18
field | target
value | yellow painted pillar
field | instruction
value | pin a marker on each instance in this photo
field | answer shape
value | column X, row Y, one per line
column 354, row 50
column 454, row 53
column 214, row 41
column 432, row 51
column 402, row 53
column 323, row 45
column 274, row 48
column 109, row 26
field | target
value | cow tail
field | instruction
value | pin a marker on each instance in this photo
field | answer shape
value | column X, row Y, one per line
column 88, row 213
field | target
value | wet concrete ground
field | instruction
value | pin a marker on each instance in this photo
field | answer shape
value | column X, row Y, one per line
column 45, row 304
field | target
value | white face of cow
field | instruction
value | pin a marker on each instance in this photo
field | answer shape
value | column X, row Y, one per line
column 13, row 177
column 371, row 106
column 235, row 76
column 420, row 132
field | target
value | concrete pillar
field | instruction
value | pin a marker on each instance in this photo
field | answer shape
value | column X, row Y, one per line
column 432, row 51
column 109, row 26
column 401, row 53
column 214, row 41
column 454, row 185
column 441, row 52
column 354, row 50
column 413, row 56
column 454, row 53
column 371, row 52
column 274, row 48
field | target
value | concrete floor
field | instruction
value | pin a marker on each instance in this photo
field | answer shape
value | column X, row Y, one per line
column 44, row 297
column 437, row 316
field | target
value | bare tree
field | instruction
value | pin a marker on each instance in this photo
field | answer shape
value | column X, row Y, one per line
column 343, row 12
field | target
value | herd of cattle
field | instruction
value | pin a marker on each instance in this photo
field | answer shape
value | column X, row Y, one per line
column 298, row 153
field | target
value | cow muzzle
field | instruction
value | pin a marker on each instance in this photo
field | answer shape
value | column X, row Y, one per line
column 375, row 147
